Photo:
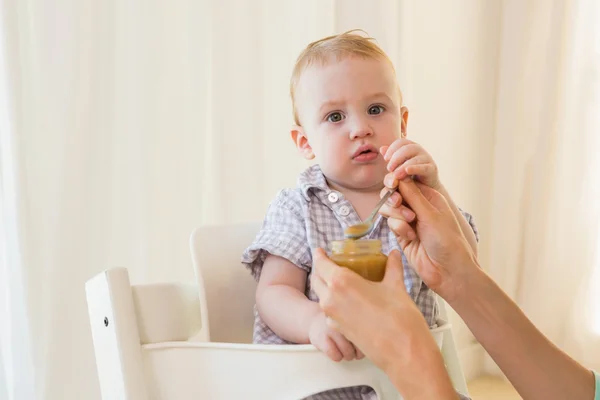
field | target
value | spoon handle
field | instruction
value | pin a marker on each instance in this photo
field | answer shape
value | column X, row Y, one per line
column 378, row 206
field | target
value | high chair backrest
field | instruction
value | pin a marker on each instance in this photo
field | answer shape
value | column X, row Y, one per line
column 227, row 290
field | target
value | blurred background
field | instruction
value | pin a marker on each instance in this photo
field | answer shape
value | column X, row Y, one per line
column 124, row 124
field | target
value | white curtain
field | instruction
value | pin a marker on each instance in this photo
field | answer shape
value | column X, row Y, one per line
column 123, row 125
column 546, row 183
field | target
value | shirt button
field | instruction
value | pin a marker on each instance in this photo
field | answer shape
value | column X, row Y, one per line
column 344, row 211
column 333, row 197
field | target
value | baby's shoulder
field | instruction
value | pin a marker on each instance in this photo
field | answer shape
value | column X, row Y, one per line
column 289, row 198
column 289, row 195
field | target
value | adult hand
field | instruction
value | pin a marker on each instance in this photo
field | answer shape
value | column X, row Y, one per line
column 383, row 321
column 375, row 316
column 433, row 243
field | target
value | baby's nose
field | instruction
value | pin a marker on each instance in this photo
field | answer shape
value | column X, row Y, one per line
column 360, row 128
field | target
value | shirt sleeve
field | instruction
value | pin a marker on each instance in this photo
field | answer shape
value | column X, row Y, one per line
column 471, row 222
column 283, row 234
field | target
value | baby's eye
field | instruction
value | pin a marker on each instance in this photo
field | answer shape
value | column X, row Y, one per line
column 335, row 117
column 375, row 110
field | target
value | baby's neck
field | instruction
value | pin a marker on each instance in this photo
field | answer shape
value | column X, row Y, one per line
column 363, row 200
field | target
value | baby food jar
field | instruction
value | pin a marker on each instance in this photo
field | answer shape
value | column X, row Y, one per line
column 362, row 256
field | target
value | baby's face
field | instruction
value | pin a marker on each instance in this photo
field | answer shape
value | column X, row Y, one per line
column 348, row 110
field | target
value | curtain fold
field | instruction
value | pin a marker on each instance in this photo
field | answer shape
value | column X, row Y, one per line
column 546, row 175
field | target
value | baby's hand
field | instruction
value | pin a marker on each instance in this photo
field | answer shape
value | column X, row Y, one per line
column 330, row 341
column 407, row 158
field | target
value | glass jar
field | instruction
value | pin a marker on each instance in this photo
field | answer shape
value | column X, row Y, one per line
column 362, row 256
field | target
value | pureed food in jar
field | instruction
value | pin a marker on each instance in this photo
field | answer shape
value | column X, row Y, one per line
column 362, row 256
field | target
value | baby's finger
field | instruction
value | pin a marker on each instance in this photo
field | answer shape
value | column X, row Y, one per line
column 330, row 348
column 344, row 346
column 401, row 173
column 402, row 155
column 397, row 144
column 420, row 170
column 331, row 323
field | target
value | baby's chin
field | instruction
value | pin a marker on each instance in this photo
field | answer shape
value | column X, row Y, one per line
column 368, row 185
column 359, row 184
column 359, row 178
column 369, row 177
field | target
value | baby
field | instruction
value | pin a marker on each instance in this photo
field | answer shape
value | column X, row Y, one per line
column 349, row 117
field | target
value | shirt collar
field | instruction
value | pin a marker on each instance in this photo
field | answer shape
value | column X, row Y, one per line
column 312, row 179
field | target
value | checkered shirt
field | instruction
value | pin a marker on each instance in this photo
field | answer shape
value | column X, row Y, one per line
column 311, row 216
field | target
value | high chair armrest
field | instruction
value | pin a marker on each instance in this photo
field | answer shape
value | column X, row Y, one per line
column 253, row 371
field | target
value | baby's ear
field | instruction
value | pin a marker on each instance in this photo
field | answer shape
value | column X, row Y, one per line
column 404, row 122
column 301, row 142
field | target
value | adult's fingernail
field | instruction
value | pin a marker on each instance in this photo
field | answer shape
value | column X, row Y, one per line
column 394, row 199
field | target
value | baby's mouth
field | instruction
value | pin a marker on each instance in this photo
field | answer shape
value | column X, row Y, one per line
column 365, row 153
column 365, row 149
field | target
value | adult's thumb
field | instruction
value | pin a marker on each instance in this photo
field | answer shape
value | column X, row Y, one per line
column 394, row 270
column 435, row 198
column 412, row 195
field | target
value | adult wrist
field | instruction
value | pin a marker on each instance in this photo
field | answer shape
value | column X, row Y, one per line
column 422, row 375
column 471, row 283
column 457, row 274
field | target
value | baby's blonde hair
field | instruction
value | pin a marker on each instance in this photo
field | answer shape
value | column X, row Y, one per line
column 336, row 47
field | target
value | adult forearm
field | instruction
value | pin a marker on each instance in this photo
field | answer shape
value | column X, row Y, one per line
column 287, row 312
column 535, row 366
column 422, row 375
column 466, row 229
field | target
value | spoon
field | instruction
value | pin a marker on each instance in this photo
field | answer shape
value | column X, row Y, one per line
column 364, row 228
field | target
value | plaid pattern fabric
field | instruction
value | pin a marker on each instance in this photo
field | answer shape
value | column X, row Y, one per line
column 311, row 216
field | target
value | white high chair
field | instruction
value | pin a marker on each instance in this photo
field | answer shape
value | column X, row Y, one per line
column 181, row 341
